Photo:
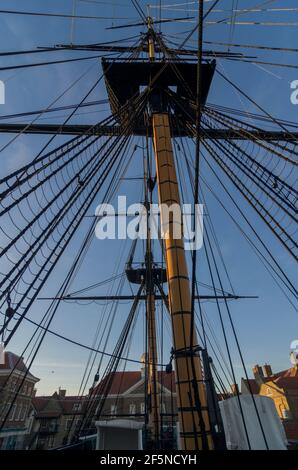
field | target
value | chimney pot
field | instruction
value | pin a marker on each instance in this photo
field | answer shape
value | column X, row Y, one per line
column 257, row 371
column 267, row 370
column 258, row 374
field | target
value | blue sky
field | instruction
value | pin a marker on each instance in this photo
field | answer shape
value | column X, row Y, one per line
column 267, row 325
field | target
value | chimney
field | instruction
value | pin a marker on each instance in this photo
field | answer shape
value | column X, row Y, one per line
column 267, row 370
column 258, row 374
column 62, row 393
column 234, row 389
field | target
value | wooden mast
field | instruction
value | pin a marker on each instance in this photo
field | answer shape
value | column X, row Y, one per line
column 154, row 406
column 154, row 411
column 193, row 416
column 191, row 392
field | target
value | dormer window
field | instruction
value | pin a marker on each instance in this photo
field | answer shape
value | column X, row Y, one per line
column 132, row 409
column 77, row 406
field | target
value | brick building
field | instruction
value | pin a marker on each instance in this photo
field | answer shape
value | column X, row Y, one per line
column 53, row 417
column 55, row 414
column 17, row 427
column 282, row 387
column 126, row 396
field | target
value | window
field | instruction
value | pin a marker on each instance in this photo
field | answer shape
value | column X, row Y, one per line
column 68, row 424
column 78, row 422
column 132, row 409
column 173, row 88
column 13, row 412
column 5, row 409
column 72, row 423
column 2, row 411
column 77, row 406
column 29, row 391
column 163, row 407
column 18, row 415
column 25, row 389
column 24, row 415
column 13, row 385
column 142, row 408
column 51, row 441
column 113, row 410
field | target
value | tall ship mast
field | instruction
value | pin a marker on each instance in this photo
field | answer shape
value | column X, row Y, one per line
column 162, row 121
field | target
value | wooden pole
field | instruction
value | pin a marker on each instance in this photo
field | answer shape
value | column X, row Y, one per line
column 154, row 415
column 191, row 395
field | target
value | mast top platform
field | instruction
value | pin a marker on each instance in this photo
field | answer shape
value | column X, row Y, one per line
column 126, row 80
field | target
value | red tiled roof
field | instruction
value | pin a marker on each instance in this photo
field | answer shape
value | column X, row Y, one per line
column 286, row 379
column 40, row 402
column 287, row 383
column 123, row 381
column 167, row 380
column 120, row 381
column 69, row 402
column 12, row 361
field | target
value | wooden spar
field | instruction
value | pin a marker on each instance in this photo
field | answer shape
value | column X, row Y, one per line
column 193, row 416
column 191, row 395
column 154, row 405
column 154, row 411
column 151, row 42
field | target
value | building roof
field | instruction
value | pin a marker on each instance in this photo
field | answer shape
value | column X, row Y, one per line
column 69, row 402
column 123, row 381
column 13, row 361
column 56, row 405
column 286, row 379
column 167, row 380
column 287, row 383
column 120, row 381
